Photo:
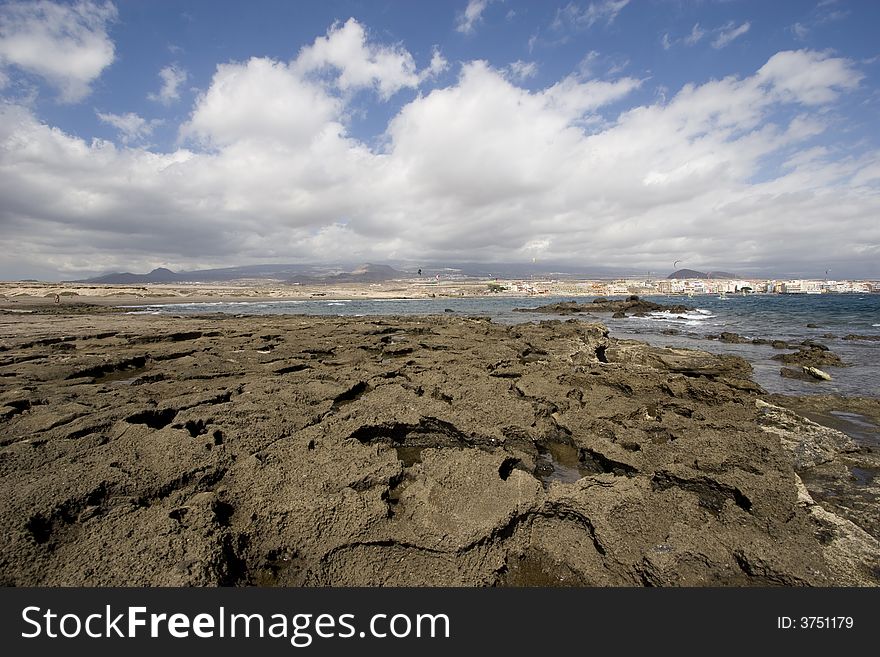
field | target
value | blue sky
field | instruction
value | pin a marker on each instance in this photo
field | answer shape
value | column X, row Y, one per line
column 606, row 133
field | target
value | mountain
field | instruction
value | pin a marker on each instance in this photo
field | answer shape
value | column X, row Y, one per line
column 367, row 273
column 286, row 273
column 160, row 275
column 693, row 273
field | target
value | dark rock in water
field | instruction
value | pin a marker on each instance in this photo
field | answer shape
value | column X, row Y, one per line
column 811, row 356
column 633, row 297
column 632, row 305
column 670, row 331
column 600, row 300
column 776, row 344
column 814, row 345
column 732, row 338
column 856, row 336
column 448, row 310
column 828, row 336
column 618, row 315
column 813, row 326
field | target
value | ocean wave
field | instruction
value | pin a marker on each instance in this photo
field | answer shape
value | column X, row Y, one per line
column 696, row 317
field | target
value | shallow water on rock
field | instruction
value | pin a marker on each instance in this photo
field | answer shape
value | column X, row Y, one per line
column 558, row 462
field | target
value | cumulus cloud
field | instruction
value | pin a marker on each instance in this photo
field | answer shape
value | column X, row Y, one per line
column 66, row 45
column 479, row 169
column 262, row 100
column 728, row 33
column 131, row 127
column 172, row 77
column 357, row 63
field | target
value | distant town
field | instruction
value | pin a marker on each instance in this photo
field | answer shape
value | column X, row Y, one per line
column 687, row 287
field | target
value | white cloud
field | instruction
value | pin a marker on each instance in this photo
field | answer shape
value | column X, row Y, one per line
column 481, row 169
column 260, row 100
column 697, row 33
column 575, row 16
column 809, row 77
column 358, row 64
column 437, row 65
column 728, row 33
column 172, row 77
column 66, row 45
column 800, row 31
column 521, row 70
column 132, row 128
column 472, row 14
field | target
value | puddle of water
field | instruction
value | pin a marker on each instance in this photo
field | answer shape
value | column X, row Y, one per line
column 856, row 426
column 855, row 418
column 559, row 462
column 122, row 377
column 409, row 455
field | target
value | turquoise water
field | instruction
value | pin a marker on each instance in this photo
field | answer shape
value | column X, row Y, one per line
column 783, row 317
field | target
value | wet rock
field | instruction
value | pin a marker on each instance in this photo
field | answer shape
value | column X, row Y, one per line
column 799, row 374
column 811, row 355
column 732, row 338
column 856, row 336
column 632, row 304
column 816, row 373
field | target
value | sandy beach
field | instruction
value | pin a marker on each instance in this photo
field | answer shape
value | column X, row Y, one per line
column 292, row 450
column 25, row 295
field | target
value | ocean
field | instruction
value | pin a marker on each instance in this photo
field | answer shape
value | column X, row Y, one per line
column 831, row 317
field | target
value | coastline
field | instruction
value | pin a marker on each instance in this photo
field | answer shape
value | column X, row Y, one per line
column 295, row 450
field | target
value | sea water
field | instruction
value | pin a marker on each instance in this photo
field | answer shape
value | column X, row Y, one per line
column 775, row 317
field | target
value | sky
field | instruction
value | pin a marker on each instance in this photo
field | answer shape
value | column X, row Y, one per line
column 616, row 134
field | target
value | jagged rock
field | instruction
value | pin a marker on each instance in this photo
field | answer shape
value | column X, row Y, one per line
column 395, row 451
column 601, row 305
column 816, row 373
column 855, row 336
column 809, row 443
column 811, row 355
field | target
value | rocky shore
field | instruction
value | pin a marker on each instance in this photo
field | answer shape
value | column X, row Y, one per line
column 294, row 450
column 632, row 305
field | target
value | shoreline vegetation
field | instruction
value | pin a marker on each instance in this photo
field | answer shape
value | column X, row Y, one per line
column 302, row 450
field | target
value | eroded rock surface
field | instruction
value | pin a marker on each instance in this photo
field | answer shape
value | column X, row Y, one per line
column 399, row 451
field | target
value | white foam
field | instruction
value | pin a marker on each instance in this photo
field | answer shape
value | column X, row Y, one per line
column 666, row 316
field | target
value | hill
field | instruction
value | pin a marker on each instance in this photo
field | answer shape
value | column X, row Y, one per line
column 285, row 273
column 693, row 273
